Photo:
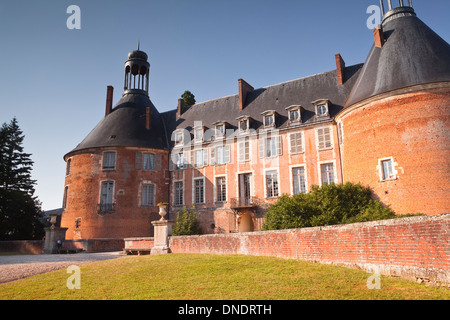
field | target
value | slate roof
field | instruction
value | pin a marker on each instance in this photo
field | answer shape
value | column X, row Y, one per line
column 278, row 97
column 413, row 54
column 125, row 126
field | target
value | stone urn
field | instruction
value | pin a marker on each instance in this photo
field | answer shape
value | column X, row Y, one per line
column 162, row 210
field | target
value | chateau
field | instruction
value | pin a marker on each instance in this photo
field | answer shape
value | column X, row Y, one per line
column 383, row 123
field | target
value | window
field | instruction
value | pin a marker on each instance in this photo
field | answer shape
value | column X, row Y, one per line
column 178, row 138
column 199, row 157
column 106, row 197
column 179, row 193
column 220, row 130
column 387, row 169
column 199, row 195
column 244, row 150
column 324, row 140
column 294, row 115
column 221, row 188
column 199, row 134
column 109, row 160
column 270, row 146
column 341, row 133
column 272, row 184
column 148, row 195
column 66, row 191
column 243, row 125
column 68, row 167
column 220, row 155
column 269, row 120
column 327, row 173
column 149, row 161
column 296, row 142
column 322, row 110
column 77, row 223
column 299, row 180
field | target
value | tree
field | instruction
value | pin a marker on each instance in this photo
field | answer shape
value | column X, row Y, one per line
column 189, row 98
column 186, row 223
column 20, row 210
column 330, row 204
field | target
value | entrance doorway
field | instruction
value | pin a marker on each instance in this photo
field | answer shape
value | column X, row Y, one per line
column 245, row 223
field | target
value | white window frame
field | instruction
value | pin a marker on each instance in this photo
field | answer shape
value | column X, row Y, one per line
column 302, row 141
column 266, row 195
column 277, row 143
column 194, row 191
column 148, row 203
column 394, row 174
column 179, row 138
column 175, row 202
column 113, row 200
column 104, row 158
column 291, row 170
column 244, row 151
column 318, row 138
column 216, row 189
column 332, row 162
column 150, row 162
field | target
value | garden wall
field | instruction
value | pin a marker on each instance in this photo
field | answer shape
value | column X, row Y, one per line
column 415, row 248
column 22, row 246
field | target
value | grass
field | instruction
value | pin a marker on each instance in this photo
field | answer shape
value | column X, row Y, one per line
column 214, row 277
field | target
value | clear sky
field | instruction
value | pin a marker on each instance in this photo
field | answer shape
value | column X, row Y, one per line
column 54, row 79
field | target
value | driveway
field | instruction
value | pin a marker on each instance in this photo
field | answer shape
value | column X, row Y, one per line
column 21, row 266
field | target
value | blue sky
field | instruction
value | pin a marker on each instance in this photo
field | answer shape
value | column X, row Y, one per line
column 54, row 79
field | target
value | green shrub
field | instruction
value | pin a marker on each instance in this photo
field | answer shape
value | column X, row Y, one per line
column 186, row 223
column 330, row 204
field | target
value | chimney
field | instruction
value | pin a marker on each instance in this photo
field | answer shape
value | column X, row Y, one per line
column 378, row 36
column 244, row 89
column 109, row 100
column 148, row 118
column 180, row 109
column 340, row 69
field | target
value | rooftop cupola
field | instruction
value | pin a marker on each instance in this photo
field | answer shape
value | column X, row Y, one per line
column 391, row 12
column 137, row 71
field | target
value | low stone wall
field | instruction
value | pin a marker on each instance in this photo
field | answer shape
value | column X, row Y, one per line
column 22, row 246
column 141, row 245
column 94, row 245
column 415, row 248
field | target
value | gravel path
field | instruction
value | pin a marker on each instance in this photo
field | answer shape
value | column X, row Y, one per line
column 22, row 266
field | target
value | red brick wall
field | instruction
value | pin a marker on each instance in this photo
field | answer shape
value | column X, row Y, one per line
column 129, row 218
column 413, row 129
column 414, row 247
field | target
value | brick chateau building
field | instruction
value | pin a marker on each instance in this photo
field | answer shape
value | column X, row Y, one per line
column 383, row 123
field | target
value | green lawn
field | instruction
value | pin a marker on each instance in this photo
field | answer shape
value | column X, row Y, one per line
column 211, row 277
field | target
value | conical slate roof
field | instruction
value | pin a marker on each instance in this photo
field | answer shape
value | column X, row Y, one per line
column 126, row 126
column 413, row 54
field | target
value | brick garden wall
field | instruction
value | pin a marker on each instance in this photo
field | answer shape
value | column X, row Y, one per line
column 415, row 248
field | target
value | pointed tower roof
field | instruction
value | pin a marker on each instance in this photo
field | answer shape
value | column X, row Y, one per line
column 134, row 121
column 410, row 54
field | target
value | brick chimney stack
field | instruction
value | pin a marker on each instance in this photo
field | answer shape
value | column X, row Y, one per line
column 180, row 108
column 148, row 118
column 244, row 89
column 109, row 100
column 378, row 36
column 340, row 69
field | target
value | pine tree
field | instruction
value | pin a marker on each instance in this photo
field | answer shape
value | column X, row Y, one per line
column 20, row 211
column 189, row 98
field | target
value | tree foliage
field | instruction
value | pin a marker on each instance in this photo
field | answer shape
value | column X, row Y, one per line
column 186, row 223
column 330, row 204
column 20, row 211
column 189, row 98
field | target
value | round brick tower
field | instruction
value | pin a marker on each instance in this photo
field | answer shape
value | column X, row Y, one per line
column 116, row 176
column 393, row 130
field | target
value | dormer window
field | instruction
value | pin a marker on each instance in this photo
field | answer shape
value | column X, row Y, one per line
column 178, row 138
column 198, row 134
column 322, row 108
column 294, row 113
column 220, row 127
column 269, row 118
column 244, row 124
